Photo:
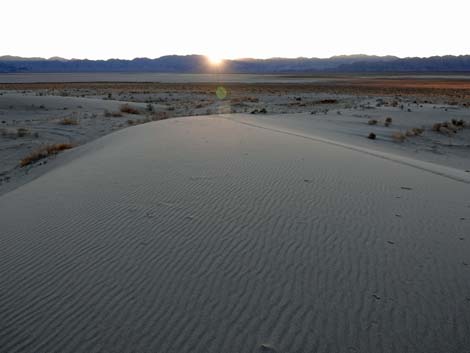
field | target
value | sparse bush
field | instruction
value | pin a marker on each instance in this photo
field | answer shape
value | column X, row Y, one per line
column 372, row 122
column 127, row 109
column 417, row 131
column 22, row 132
column 328, row 101
column 372, row 136
column 44, row 152
column 69, row 121
column 388, row 122
column 398, row 136
column 149, row 107
column 436, row 127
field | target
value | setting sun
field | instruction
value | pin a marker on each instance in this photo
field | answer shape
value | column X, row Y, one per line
column 215, row 60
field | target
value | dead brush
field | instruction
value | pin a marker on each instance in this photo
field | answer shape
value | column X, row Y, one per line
column 416, row 131
column 22, row 132
column 69, row 121
column 449, row 128
column 398, row 136
column 44, row 152
column 12, row 133
column 127, row 109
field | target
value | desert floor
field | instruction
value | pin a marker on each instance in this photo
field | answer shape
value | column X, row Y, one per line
column 36, row 114
column 258, row 219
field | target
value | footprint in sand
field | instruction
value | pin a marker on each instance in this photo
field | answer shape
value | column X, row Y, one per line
column 267, row 348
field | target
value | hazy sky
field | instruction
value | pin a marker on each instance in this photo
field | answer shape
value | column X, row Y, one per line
column 98, row 29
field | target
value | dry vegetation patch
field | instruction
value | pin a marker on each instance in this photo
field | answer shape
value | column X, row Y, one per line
column 69, row 121
column 398, row 136
column 127, row 109
column 449, row 127
column 17, row 133
column 44, row 152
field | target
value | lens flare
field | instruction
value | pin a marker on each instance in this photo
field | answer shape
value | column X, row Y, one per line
column 221, row 92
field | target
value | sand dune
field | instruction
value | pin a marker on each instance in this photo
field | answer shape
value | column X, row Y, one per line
column 209, row 235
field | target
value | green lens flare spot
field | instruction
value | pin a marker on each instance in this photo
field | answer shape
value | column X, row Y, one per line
column 221, row 92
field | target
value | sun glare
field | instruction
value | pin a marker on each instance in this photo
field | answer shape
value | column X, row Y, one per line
column 215, row 60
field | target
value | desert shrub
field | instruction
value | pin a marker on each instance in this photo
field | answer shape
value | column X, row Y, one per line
column 12, row 133
column 127, row 109
column 44, row 152
column 22, row 132
column 69, row 121
column 437, row 127
column 417, row 131
column 372, row 136
column 459, row 123
column 328, row 101
column 398, row 136
column 372, row 122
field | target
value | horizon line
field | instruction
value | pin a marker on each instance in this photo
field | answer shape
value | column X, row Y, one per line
column 58, row 58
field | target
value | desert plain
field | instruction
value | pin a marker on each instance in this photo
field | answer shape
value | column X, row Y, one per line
column 234, row 213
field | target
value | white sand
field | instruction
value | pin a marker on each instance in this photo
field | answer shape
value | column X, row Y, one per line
column 211, row 235
column 41, row 111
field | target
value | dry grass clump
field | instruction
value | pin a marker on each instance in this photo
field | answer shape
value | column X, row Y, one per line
column 459, row 123
column 69, row 121
column 127, row 109
column 22, row 132
column 259, row 111
column 328, row 101
column 19, row 132
column 398, row 136
column 417, row 131
column 372, row 122
column 449, row 127
column 436, row 127
column 44, row 152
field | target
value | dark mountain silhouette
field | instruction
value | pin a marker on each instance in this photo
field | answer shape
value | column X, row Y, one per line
column 200, row 64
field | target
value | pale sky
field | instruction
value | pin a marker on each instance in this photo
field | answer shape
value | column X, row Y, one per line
column 102, row 29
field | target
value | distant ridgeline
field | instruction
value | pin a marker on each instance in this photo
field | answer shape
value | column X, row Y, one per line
column 199, row 64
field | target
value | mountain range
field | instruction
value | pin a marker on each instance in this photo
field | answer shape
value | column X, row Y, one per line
column 200, row 64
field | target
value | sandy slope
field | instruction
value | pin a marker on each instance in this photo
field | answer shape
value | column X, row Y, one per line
column 209, row 235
